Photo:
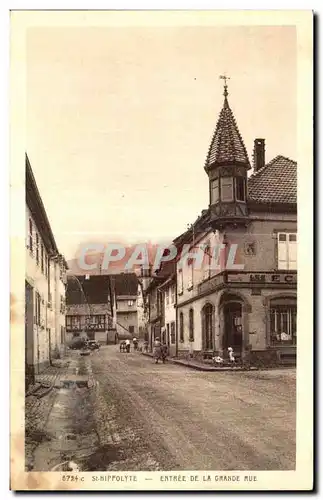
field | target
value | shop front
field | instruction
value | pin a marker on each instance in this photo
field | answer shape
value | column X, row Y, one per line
column 251, row 312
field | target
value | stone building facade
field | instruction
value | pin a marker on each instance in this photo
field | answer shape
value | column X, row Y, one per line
column 45, row 282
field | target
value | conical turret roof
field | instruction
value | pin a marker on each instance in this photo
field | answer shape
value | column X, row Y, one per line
column 227, row 146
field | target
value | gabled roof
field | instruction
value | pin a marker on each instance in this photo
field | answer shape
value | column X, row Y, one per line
column 96, row 289
column 276, row 182
column 227, row 145
column 166, row 270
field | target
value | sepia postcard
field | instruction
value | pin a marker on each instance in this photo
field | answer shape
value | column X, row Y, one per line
column 161, row 176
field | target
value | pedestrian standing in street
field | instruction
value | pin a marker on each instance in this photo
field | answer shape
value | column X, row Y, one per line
column 157, row 350
column 128, row 345
column 146, row 346
column 164, row 351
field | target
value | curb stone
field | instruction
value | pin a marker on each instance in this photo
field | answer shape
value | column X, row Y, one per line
column 202, row 368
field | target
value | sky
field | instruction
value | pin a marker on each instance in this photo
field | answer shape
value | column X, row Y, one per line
column 119, row 121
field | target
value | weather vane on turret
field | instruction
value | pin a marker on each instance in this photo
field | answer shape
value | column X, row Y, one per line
column 225, row 78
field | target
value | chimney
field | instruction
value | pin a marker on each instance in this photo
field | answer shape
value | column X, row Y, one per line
column 258, row 154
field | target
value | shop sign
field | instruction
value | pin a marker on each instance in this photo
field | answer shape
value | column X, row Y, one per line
column 263, row 278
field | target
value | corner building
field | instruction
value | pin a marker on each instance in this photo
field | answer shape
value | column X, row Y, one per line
column 250, row 301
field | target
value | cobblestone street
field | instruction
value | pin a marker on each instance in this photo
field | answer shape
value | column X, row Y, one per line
column 135, row 415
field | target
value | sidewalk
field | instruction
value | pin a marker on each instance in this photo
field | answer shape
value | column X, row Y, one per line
column 195, row 365
column 38, row 404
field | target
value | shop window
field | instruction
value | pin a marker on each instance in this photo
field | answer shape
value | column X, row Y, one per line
column 191, row 325
column 181, row 327
column 240, row 189
column 130, row 303
column 283, row 324
column 287, row 251
column 226, row 188
column 172, row 332
column 214, row 191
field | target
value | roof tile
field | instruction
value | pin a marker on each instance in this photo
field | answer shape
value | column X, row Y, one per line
column 276, row 182
column 227, row 145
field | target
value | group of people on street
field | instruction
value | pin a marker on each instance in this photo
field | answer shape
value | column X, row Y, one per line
column 160, row 349
column 127, row 344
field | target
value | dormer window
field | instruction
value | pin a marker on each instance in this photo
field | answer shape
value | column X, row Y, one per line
column 240, row 189
column 226, row 188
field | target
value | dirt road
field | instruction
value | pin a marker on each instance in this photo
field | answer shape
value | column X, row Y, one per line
column 172, row 418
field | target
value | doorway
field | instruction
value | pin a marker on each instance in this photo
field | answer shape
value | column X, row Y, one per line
column 233, row 334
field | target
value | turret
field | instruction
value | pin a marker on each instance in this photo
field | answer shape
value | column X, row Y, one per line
column 227, row 165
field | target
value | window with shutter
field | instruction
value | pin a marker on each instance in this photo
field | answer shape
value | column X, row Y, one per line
column 190, row 276
column 180, row 281
column 37, row 248
column 292, row 251
column 172, row 332
column 42, row 258
column 181, row 327
column 30, row 236
column 173, row 294
column 207, row 261
column 287, row 251
column 191, row 325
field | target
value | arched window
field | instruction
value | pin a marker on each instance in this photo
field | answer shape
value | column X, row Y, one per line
column 181, row 327
column 207, row 327
column 191, row 325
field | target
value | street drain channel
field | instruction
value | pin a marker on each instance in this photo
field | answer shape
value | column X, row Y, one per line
column 98, row 460
column 72, row 381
